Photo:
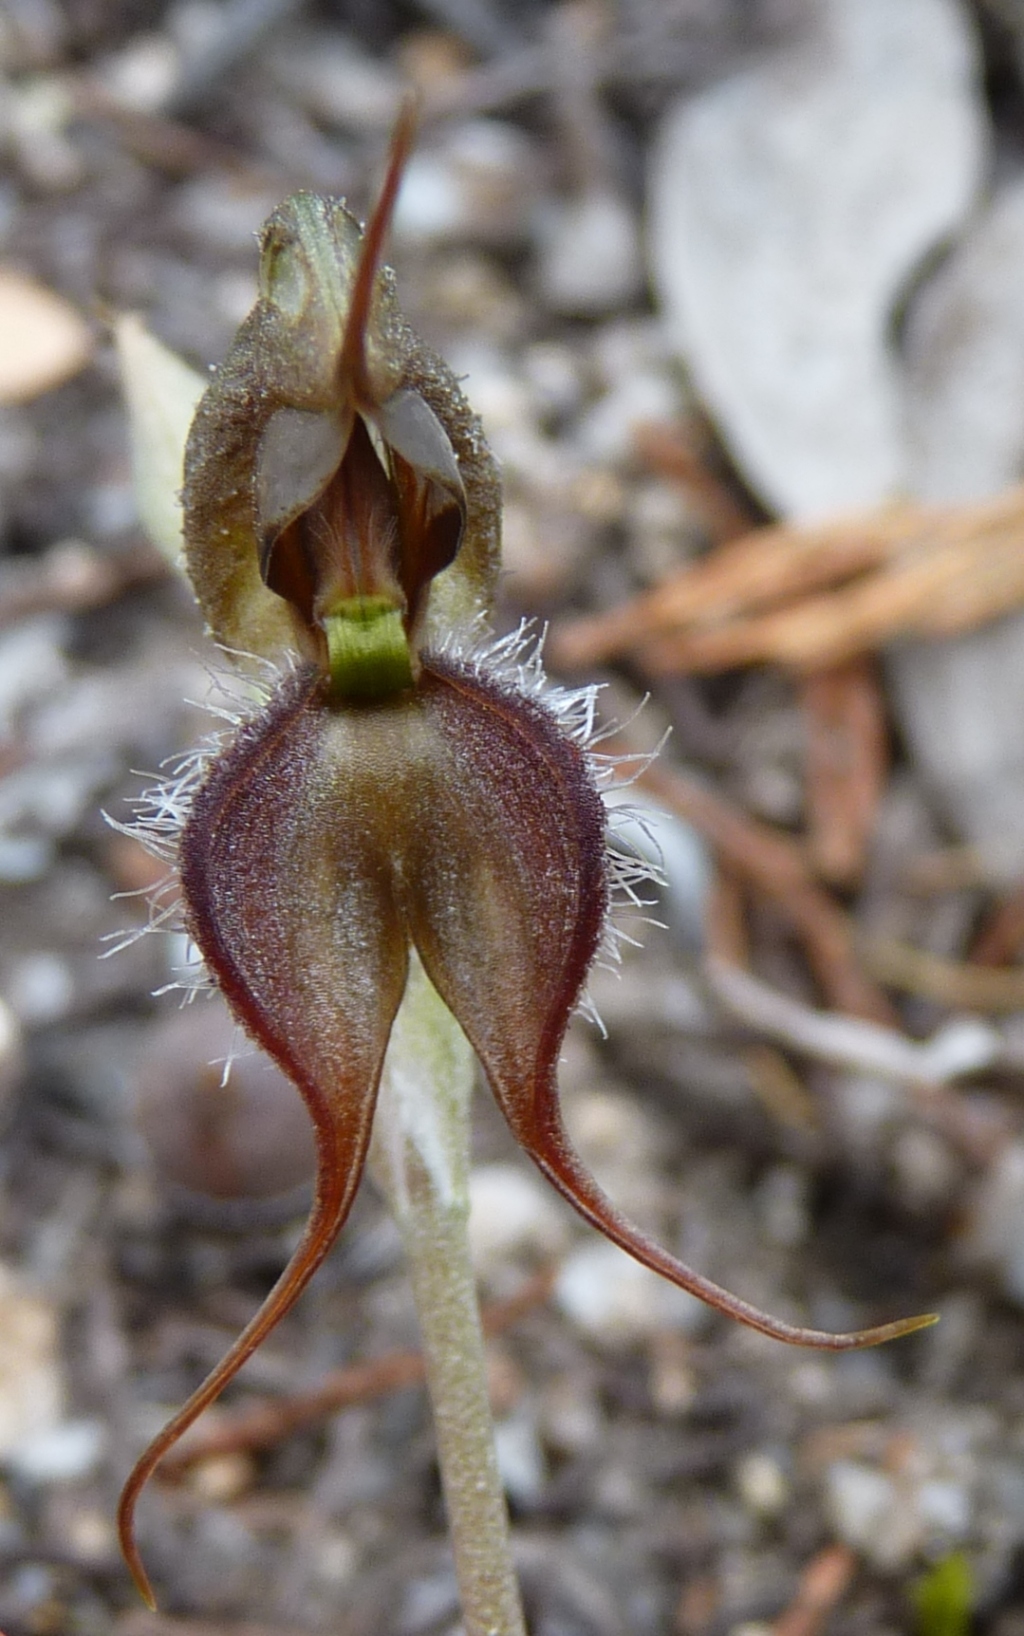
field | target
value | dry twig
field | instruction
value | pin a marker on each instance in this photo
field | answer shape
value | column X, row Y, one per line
column 71, row 578
column 1001, row 935
column 681, row 453
column 950, row 983
column 776, row 866
column 265, row 1424
column 813, row 596
column 847, row 764
column 964, row 1046
column 823, row 1583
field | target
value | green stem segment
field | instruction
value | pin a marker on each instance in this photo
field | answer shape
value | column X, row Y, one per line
column 368, row 650
column 420, row 1158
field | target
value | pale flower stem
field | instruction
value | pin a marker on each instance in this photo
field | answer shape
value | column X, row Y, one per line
column 420, row 1158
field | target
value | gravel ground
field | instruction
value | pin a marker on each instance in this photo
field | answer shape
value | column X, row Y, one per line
column 669, row 1474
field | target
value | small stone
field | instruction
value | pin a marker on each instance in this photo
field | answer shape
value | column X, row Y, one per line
column 12, row 1059
column 925, row 1171
column 31, row 1382
column 553, row 372
column 663, row 528
column 782, row 1201
column 335, row 79
column 762, row 1484
column 62, row 1453
column 41, row 988
column 512, row 1213
column 24, row 858
column 996, row 1233
column 673, row 1380
column 945, row 1509
column 870, row 1513
column 570, row 1416
column 606, row 433
column 91, row 1534
column 616, row 1300
column 32, row 665
column 588, row 254
column 223, row 1478
column 336, row 1558
column 521, row 1464
column 144, row 73
column 478, row 183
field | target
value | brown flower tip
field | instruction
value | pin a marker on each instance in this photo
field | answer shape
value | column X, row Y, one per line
column 333, row 470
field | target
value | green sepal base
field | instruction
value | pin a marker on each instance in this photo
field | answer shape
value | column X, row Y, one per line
column 368, row 650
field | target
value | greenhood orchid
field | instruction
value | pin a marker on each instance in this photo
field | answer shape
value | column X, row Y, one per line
column 408, row 784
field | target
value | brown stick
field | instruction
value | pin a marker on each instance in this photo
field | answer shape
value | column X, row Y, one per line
column 776, row 866
column 265, row 1424
column 823, row 1582
column 813, row 596
column 759, row 570
column 847, row 762
column 948, row 982
column 1001, row 935
column 74, row 578
column 678, row 452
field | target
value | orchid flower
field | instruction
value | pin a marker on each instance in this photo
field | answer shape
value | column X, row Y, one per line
column 409, row 783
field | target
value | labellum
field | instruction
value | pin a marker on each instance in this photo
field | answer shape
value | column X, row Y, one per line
column 397, row 791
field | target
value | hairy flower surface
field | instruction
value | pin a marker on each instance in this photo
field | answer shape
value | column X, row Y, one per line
column 403, row 787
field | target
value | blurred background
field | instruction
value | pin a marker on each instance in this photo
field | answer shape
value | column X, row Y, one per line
column 737, row 287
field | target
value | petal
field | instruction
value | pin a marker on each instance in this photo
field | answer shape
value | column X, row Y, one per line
column 507, row 912
column 506, row 888
column 288, row 896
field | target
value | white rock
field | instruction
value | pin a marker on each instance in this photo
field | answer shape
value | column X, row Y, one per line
column 41, row 988
column 618, row 1301
column 925, row 1170
column 588, row 254
column 788, row 206
column 553, row 372
column 24, row 858
column 61, row 1453
column 32, row 665
column 521, row 1463
column 144, row 74
column 960, row 702
column 762, row 1483
column 945, row 1509
column 996, row 1234
column 964, row 350
column 12, row 1058
column 869, row 1513
column 511, row 1212
column 332, row 76
column 31, row 1384
column 607, row 431
column 479, row 182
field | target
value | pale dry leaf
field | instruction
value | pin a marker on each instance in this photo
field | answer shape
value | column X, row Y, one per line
column 964, row 351
column 44, row 341
column 960, row 702
column 162, row 393
column 789, row 206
